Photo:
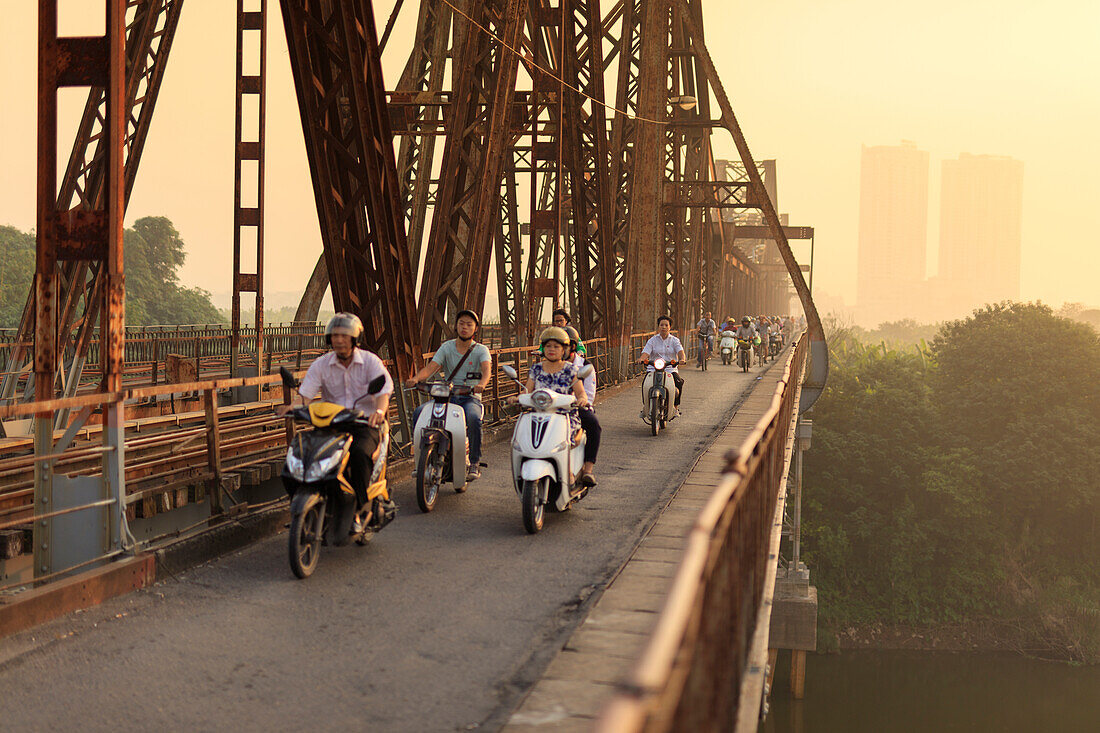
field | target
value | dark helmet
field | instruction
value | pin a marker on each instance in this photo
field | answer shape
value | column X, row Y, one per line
column 745, row 320
column 574, row 337
column 554, row 333
column 345, row 323
column 470, row 313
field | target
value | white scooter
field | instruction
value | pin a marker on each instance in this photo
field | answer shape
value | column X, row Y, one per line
column 728, row 346
column 546, row 460
column 442, row 450
column 659, row 395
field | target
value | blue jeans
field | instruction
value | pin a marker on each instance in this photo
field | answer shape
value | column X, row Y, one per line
column 474, row 410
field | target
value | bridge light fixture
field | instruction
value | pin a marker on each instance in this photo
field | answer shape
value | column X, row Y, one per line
column 685, row 102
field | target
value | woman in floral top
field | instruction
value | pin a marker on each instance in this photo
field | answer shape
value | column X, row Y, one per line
column 554, row 374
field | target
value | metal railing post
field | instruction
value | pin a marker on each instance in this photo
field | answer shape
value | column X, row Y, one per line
column 213, row 451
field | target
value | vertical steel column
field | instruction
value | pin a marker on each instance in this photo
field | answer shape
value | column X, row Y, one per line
column 587, row 160
column 149, row 35
column 422, row 79
column 250, row 218
column 80, row 234
column 623, row 131
column 546, row 190
column 644, row 277
column 337, row 73
column 460, row 244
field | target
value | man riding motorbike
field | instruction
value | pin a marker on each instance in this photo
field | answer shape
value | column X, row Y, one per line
column 341, row 376
column 587, row 413
column 463, row 362
column 663, row 345
column 706, row 328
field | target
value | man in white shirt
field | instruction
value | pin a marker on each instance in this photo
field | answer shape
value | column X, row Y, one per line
column 663, row 345
column 342, row 377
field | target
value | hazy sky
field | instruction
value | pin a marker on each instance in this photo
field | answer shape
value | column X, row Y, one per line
column 810, row 82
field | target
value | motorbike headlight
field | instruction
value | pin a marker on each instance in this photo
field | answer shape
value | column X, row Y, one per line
column 320, row 467
column 542, row 399
column 440, row 390
column 294, row 465
column 659, row 364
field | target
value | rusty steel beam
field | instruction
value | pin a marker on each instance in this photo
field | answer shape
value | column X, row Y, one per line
column 460, row 243
column 818, row 367
column 341, row 98
column 421, row 84
column 644, row 278
column 509, row 261
column 150, row 30
column 627, row 50
column 587, row 159
column 249, row 218
column 93, row 233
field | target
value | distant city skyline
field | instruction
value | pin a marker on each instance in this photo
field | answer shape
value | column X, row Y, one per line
column 980, row 215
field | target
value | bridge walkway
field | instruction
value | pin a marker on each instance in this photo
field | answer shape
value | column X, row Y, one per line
column 443, row 622
column 604, row 648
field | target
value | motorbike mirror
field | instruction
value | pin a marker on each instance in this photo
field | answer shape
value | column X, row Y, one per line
column 585, row 371
column 510, row 371
column 375, row 386
column 288, row 378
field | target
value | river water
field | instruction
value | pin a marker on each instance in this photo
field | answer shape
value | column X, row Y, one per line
column 902, row 691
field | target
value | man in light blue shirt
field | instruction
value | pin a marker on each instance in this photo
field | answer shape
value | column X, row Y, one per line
column 464, row 362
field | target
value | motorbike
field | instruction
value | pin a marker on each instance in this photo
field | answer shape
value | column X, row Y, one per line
column 776, row 344
column 442, row 449
column 322, row 501
column 703, row 356
column 727, row 346
column 744, row 354
column 761, row 349
column 658, row 396
column 546, row 459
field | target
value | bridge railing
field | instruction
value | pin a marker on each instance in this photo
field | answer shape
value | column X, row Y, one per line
column 691, row 672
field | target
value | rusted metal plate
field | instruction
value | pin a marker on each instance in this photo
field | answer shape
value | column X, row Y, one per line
column 84, row 590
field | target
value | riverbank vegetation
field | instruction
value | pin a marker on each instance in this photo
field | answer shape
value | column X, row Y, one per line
column 154, row 252
column 954, row 482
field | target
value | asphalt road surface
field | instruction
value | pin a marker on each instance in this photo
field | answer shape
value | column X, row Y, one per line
column 441, row 623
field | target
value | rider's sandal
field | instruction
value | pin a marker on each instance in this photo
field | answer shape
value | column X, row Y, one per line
column 587, row 479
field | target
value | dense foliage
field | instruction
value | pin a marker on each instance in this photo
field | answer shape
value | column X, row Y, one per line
column 957, row 481
column 154, row 252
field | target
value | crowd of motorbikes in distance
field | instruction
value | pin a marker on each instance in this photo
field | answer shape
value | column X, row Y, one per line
column 546, row 457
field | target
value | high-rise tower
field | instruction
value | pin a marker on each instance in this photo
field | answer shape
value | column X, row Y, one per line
column 893, row 232
column 980, row 222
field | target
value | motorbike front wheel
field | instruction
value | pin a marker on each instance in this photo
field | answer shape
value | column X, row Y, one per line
column 655, row 416
column 304, row 547
column 533, row 508
column 429, row 476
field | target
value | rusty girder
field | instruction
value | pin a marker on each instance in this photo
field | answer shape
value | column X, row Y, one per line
column 644, row 277
column 586, row 152
column 627, row 51
column 509, row 261
column 460, row 243
column 150, row 27
column 421, row 83
column 341, row 97
column 249, row 218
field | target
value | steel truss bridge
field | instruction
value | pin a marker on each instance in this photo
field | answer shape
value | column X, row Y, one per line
column 557, row 151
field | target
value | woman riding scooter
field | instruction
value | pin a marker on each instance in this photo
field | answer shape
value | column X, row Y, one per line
column 555, row 374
